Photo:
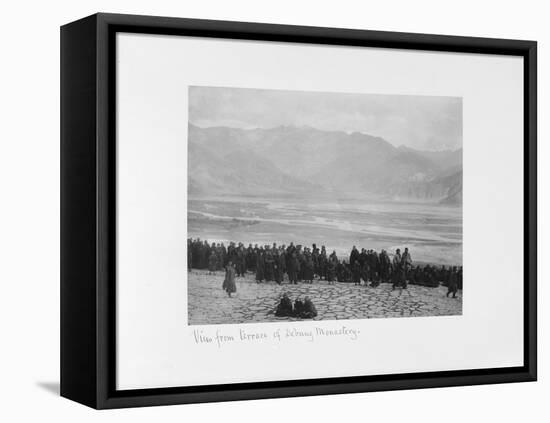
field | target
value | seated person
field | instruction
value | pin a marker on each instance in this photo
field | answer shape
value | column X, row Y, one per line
column 284, row 309
column 308, row 311
column 298, row 307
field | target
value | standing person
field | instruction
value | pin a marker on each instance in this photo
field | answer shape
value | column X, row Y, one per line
column 340, row 272
column 397, row 265
column 241, row 261
column 207, row 252
column 452, row 286
column 212, row 262
column 250, row 259
column 229, row 282
column 308, row 268
column 372, row 260
column 442, row 275
column 202, row 264
column 407, row 265
column 282, row 262
column 365, row 272
column 377, row 269
column 362, row 257
column 292, row 268
column 268, row 262
column 189, row 254
column 384, row 266
column 277, row 273
column 354, row 255
column 260, row 266
column 223, row 257
column 331, row 271
column 356, row 272
column 323, row 263
column 291, row 249
column 254, row 258
column 315, row 258
column 301, row 267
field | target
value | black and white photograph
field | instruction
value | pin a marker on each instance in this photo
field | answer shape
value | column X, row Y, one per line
column 323, row 205
column 308, row 199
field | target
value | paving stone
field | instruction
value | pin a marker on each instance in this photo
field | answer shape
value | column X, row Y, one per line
column 253, row 302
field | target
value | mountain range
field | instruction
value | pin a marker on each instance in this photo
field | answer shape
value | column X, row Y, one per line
column 289, row 160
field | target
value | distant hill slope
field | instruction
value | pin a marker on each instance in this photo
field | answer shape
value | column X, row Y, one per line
column 299, row 160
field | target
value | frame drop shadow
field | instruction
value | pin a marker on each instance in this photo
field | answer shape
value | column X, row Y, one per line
column 51, row 387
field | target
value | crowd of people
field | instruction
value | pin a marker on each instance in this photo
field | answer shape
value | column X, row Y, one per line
column 304, row 264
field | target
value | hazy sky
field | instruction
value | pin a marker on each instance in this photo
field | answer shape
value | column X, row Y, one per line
column 421, row 122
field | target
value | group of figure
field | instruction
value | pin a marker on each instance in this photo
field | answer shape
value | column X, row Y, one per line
column 303, row 264
column 301, row 309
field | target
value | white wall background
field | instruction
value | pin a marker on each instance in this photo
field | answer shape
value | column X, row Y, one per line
column 29, row 216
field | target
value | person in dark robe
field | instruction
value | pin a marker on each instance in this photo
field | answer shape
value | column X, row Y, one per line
column 241, row 261
column 208, row 251
column 223, row 256
column 284, row 308
column 356, row 272
column 377, row 267
column 290, row 250
column 365, row 272
column 253, row 258
column 354, row 256
column 397, row 269
column 309, row 311
column 407, row 266
column 308, row 265
column 315, row 258
column 362, row 257
column 385, row 264
column 277, row 273
column 268, row 261
column 229, row 282
column 331, row 272
column 298, row 307
column 189, row 255
column 212, row 263
column 250, row 259
column 372, row 259
column 301, row 264
column 293, row 269
column 347, row 273
column 418, row 278
column 323, row 263
column 260, row 266
column 452, row 284
column 281, row 262
column 202, row 256
column 340, row 272
column 442, row 276
column 298, row 263
column 229, row 254
column 429, row 277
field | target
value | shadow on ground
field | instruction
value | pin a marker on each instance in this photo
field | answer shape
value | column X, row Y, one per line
column 51, row 387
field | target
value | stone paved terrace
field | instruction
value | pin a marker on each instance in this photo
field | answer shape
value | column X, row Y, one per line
column 253, row 302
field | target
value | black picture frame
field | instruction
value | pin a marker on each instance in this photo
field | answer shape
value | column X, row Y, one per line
column 88, row 195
